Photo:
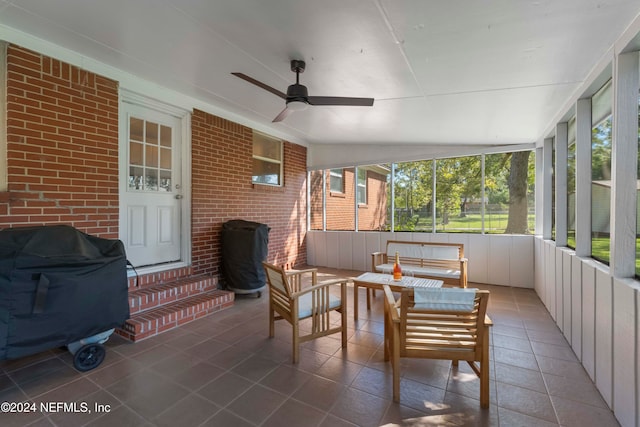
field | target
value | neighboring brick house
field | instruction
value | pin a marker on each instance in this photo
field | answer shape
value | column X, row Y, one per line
column 341, row 196
column 63, row 152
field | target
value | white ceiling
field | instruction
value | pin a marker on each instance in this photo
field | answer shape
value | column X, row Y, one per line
column 441, row 72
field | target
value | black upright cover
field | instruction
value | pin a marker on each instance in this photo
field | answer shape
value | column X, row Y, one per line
column 58, row 285
column 244, row 247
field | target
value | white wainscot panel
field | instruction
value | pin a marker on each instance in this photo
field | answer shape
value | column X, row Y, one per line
column 625, row 336
column 550, row 277
column 360, row 260
column 345, row 250
column 499, row 258
column 477, row 254
column 588, row 318
column 442, row 237
column 311, row 250
column 567, row 299
column 559, row 286
column 521, row 262
column 539, row 268
column 604, row 332
column 321, row 249
column 332, row 248
column 373, row 244
column 576, row 305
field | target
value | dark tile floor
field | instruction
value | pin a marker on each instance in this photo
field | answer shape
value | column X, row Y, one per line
column 223, row 370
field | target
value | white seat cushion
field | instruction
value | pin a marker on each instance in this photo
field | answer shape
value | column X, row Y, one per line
column 444, row 299
column 304, row 304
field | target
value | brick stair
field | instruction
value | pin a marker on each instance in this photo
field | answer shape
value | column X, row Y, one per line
column 159, row 307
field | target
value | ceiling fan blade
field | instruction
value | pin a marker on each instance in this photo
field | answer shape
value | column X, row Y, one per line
column 338, row 100
column 283, row 115
column 261, row 85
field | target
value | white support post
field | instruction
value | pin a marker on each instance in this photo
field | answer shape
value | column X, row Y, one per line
column 624, row 156
column 562, row 141
column 583, row 177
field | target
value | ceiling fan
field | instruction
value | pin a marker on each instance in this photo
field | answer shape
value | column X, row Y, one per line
column 297, row 97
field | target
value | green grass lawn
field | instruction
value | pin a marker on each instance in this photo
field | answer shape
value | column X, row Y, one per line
column 472, row 223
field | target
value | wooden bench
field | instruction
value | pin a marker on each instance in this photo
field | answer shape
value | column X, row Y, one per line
column 442, row 261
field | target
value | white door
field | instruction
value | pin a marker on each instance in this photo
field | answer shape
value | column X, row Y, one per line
column 150, row 210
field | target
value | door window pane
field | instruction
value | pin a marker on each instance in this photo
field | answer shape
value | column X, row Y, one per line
column 150, row 167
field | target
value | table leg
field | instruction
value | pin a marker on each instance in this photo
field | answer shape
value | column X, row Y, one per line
column 355, row 301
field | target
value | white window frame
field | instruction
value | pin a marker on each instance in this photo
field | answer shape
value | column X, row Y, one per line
column 334, row 174
column 361, row 184
column 279, row 162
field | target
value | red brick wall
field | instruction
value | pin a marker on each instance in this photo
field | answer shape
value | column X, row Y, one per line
column 62, row 146
column 222, row 190
column 340, row 206
column 62, row 132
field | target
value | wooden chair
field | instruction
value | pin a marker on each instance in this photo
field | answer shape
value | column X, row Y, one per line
column 289, row 300
column 437, row 332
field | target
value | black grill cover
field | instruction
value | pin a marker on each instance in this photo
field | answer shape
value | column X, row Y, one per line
column 58, row 285
column 244, row 247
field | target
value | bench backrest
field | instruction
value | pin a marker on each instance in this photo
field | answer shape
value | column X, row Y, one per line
column 424, row 250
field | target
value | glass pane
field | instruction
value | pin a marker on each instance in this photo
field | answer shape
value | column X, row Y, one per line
column 165, row 158
column 372, row 216
column 413, row 193
column 152, row 133
column 165, row 136
column 459, row 195
column 165, row 180
column 266, row 172
column 136, row 129
column 316, row 194
column 266, row 147
column 601, row 190
column 151, row 179
column 337, row 180
column 151, row 159
column 509, row 192
column 135, row 178
column 136, row 156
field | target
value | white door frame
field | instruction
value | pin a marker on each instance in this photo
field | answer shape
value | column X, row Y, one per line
column 184, row 115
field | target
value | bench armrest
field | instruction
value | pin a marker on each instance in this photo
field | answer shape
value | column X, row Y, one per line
column 378, row 258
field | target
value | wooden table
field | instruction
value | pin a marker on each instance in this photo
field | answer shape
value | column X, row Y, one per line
column 376, row 280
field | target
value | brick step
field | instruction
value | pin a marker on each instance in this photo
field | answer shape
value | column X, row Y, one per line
column 154, row 321
column 148, row 297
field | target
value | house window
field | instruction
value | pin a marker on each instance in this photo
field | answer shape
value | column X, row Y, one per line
column 362, row 187
column 267, row 160
column 336, row 178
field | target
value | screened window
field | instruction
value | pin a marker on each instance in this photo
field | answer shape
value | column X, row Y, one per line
column 553, row 189
column 601, row 173
column 638, row 204
column 336, row 178
column 571, row 185
column 374, row 209
column 459, row 195
column 267, row 160
column 413, row 196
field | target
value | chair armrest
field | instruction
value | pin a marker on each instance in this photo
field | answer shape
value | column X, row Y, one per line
column 391, row 304
column 487, row 321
